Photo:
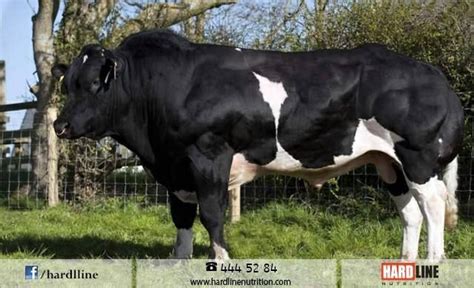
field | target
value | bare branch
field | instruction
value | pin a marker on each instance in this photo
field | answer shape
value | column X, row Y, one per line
column 55, row 10
column 31, row 6
column 162, row 15
column 134, row 4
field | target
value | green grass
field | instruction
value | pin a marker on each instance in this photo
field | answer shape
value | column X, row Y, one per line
column 275, row 231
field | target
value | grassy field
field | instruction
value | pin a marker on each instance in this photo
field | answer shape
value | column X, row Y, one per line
column 112, row 230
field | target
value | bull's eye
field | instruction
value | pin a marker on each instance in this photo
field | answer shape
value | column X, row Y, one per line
column 95, row 86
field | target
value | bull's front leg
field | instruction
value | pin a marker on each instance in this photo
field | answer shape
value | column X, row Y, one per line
column 183, row 214
column 211, row 175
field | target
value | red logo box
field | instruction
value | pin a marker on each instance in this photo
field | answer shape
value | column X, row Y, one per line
column 398, row 271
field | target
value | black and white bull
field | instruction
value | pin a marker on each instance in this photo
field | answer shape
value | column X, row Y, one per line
column 204, row 117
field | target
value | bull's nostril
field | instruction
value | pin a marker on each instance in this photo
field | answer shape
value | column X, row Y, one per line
column 60, row 127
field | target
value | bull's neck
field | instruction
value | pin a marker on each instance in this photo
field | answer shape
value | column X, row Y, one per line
column 141, row 123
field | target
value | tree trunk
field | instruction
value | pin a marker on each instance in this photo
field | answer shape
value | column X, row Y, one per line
column 44, row 145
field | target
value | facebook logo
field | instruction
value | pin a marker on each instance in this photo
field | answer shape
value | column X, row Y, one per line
column 31, row 272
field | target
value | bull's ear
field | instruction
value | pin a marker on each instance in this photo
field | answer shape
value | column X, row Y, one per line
column 109, row 70
column 59, row 70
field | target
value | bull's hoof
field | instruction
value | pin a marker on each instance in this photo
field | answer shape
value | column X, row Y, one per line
column 218, row 253
column 436, row 259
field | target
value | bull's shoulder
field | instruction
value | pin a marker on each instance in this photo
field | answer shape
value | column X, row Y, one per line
column 374, row 53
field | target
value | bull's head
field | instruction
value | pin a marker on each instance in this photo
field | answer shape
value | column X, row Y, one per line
column 86, row 84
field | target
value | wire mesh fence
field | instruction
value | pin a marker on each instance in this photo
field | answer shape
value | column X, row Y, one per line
column 91, row 171
column 15, row 160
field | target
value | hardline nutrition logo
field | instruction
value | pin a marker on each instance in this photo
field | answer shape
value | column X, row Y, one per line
column 408, row 271
column 31, row 272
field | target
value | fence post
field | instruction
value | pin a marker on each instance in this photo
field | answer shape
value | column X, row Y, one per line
column 52, row 174
column 3, row 118
column 234, row 199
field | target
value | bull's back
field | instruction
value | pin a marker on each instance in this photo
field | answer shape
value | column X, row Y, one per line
column 312, row 103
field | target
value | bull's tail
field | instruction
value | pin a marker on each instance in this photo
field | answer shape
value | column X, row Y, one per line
column 450, row 179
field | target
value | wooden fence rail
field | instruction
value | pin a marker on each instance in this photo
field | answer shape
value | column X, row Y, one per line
column 18, row 106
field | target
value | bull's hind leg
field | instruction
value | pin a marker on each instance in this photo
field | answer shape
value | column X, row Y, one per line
column 410, row 214
column 431, row 197
column 412, row 218
column 420, row 168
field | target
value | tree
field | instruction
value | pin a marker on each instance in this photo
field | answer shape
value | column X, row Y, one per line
column 43, row 139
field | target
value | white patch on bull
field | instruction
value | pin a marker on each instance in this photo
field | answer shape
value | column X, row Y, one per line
column 186, row 196
column 440, row 140
column 371, row 136
column 84, row 59
column 274, row 94
column 183, row 247
column 238, row 49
